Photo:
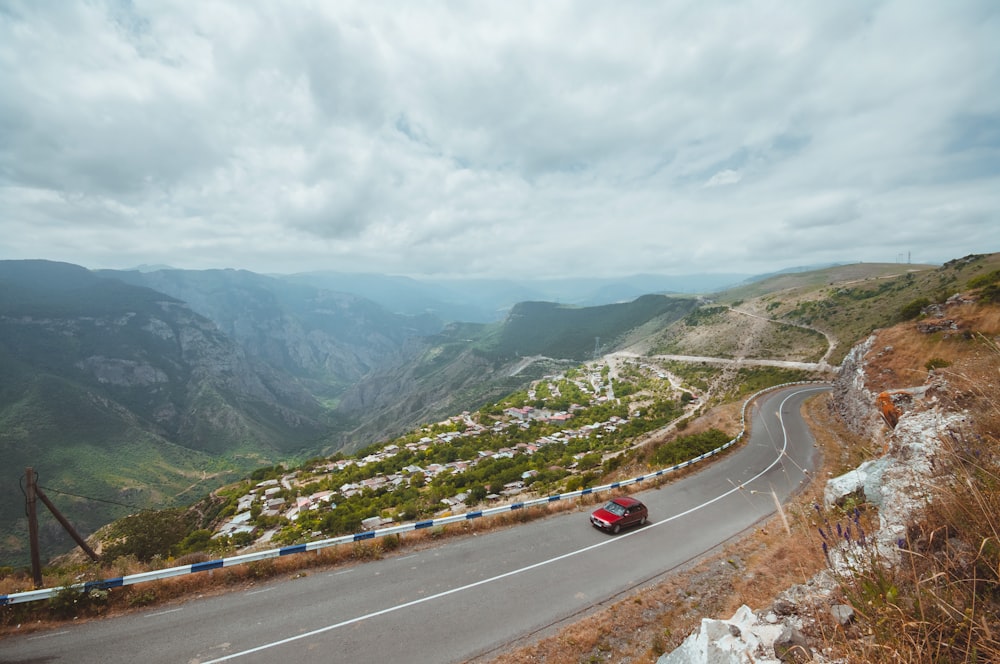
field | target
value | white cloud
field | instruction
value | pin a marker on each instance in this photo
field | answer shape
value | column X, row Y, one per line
column 724, row 177
column 548, row 139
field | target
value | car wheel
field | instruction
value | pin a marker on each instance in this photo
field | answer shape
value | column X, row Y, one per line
column 642, row 521
column 617, row 529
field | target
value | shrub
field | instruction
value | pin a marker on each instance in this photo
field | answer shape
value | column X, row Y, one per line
column 147, row 534
column 912, row 309
column 688, row 447
column 936, row 363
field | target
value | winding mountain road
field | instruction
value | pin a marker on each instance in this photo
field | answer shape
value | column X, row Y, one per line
column 469, row 598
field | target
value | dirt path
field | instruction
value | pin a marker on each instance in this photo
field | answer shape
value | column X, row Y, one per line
column 831, row 342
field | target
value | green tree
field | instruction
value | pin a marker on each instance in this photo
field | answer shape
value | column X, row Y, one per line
column 148, row 534
column 199, row 540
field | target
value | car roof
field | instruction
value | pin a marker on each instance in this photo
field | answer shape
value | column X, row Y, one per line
column 626, row 501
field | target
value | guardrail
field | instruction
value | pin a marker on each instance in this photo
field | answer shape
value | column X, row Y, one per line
column 221, row 563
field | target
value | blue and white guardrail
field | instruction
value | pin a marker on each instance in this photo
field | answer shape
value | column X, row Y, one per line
column 221, row 563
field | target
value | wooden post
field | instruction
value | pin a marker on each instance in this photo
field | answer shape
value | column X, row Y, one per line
column 34, row 493
column 36, row 563
column 66, row 524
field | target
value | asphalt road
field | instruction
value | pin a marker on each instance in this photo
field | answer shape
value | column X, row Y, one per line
column 469, row 598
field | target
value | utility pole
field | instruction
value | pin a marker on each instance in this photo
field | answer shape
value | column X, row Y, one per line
column 36, row 563
column 34, row 491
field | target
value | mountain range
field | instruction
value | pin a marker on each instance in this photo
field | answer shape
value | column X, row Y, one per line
column 144, row 388
column 134, row 389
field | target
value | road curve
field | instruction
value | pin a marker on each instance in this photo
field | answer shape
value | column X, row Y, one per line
column 469, row 598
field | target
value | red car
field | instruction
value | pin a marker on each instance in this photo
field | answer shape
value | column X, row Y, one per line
column 619, row 513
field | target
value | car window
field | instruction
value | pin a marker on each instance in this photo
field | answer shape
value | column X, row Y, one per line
column 615, row 508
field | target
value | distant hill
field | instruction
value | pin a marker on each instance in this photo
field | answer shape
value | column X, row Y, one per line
column 490, row 300
column 328, row 339
column 845, row 302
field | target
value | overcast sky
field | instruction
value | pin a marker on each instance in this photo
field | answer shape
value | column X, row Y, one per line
column 515, row 139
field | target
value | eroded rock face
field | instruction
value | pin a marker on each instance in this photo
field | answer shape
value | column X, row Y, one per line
column 852, row 400
column 898, row 484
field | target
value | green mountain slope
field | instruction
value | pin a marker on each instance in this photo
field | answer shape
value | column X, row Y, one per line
column 108, row 386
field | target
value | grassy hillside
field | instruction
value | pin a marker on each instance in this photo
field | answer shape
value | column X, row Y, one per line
column 96, row 464
column 788, row 314
column 544, row 328
column 123, row 397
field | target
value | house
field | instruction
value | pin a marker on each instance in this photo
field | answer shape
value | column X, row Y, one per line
column 522, row 414
column 373, row 522
column 321, row 497
column 240, row 523
column 375, row 483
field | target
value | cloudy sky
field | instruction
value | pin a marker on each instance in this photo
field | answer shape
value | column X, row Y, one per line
column 509, row 138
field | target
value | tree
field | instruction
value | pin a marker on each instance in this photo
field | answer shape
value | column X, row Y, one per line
column 148, row 534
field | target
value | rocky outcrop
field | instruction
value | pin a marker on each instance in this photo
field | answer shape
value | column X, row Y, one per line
column 852, row 400
column 897, row 484
column 770, row 636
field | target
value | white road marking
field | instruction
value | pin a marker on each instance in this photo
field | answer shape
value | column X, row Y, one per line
column 47, row 636
column 161, row 613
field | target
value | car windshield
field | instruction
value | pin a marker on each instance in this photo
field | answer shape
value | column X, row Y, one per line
column 614, row 508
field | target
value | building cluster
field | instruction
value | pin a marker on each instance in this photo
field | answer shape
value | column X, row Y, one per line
column 270, row 494
column 269, row 497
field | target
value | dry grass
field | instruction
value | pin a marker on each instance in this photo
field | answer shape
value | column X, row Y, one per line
column 905, row 365
column 942, row 604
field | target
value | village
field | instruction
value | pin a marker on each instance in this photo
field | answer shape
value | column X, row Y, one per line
column 283, row 497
